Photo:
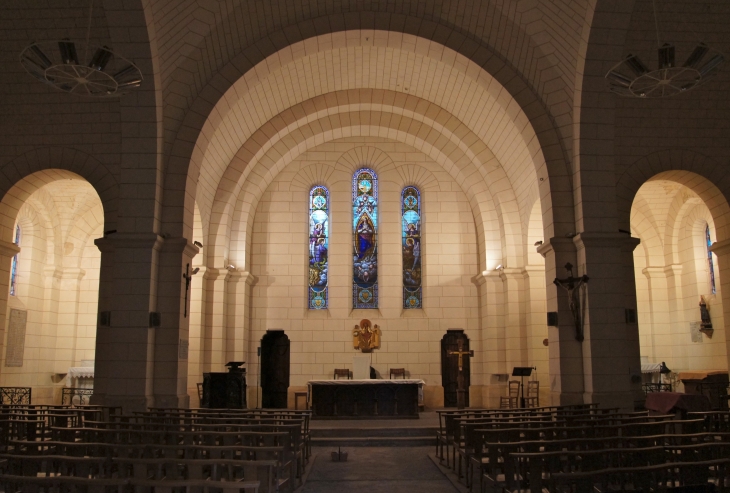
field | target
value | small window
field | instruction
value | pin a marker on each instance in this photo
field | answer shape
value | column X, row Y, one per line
column 14, row 266
column 365, row 239
column 319, row 232
column 710, row 263
column 411, row 234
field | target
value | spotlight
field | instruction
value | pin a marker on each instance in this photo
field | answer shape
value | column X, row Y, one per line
column 636, row 65
column 195, row 271
column 624, row 231
column 696, row 56
column 666, row 56
column 538, row 243
column 499, row 267
column 101, row 58
column 571, row 235
column 198, row 244
column 68, row 52
column 711, row 64
column 231, row 267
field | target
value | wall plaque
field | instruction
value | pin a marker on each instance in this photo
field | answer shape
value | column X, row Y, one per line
column 182, row 351
column 16, row 338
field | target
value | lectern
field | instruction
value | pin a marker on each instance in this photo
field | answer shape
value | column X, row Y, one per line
column 522, row 372
column 225, row 390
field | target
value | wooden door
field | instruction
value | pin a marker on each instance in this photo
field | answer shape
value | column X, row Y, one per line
column 274, row 369
column 450, row 366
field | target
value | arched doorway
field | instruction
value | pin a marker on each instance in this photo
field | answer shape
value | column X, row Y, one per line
column 274, row 369
column 53, row 288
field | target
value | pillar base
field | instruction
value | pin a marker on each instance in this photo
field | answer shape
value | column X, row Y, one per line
column 622, row 400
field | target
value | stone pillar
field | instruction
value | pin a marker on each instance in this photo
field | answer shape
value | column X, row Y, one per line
column 214, row 320
column 489, row 346
column 658, row 315
column 67, row 317
column 677, row 327
column 611, row 363
column 515, row 322
column 722, row 250
column 537, row 329
column 172, row 336
column 238, row 315
column 125, row 342
column 565, row 352
column 7, row 251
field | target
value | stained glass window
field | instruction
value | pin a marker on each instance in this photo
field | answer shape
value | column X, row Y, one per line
column 319, row 232
column 14, row 266
column 365, row 239
column 411, row 230
column 710, row 263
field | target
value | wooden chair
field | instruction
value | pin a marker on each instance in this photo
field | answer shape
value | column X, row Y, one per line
column 513, row 394
column 342, row 372
column 532, row 399
column 398, row 372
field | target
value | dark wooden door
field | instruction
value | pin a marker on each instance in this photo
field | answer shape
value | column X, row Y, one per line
column 274, row 369
column 450, row 366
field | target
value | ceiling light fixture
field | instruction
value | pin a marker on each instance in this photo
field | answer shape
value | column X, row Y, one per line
column 57, row 64
column 631, row 77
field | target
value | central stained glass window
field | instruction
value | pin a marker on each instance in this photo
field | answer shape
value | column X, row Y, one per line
column 319, row 232
column 411, row 231
column 365, row 239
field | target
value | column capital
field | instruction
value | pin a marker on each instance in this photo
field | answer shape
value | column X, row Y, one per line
column 590, row 239
column 505, row 274
column 129, row 240
column 244, row 276
column 179, row 245
column 487, row 275
column 9, row 249
column 720, row 248
column 73, row 273
column 654, row 272
column 558, row 245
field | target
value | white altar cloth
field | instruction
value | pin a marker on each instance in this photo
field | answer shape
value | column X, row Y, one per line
column 77, row 372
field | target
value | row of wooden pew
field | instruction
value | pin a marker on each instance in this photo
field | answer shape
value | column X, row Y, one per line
column 585, row 449
column 161, row 450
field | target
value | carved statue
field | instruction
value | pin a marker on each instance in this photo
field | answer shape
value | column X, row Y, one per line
column 366, row 337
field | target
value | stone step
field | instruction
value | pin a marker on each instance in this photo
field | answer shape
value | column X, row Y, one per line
column 375, row 441
column 373, row 432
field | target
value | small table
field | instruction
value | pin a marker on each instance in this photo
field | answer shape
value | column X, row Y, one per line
column 667, row 402
column 369, row 399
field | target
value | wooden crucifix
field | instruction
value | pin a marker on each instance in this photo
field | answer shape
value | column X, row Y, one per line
column 461, row 391
column 188, row 276
column 572, row 286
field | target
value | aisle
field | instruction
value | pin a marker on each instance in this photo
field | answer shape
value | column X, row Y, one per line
column 377, row 469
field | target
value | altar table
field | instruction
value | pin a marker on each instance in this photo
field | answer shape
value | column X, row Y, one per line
column 666, row 402
column 365, row 399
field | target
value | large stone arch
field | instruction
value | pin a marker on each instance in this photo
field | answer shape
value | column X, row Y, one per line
column 249, row 174
column 702, row 174
column 186, row 153
column 17, row 182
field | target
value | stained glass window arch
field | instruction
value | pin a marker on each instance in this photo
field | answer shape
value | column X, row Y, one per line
column 710, row 262
column 319, row 231
column 365, row 239
column 14, row 266
column 411, row 238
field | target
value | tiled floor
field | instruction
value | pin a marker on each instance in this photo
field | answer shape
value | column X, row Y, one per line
column 377, row 469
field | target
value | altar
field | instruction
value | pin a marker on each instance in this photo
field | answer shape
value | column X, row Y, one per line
column 365, row 399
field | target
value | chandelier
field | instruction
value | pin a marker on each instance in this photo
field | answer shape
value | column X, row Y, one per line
column 631, row 77
column 99, row 72
column 57, row 64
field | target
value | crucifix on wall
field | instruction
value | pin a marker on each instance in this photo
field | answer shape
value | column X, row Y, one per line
column 188, row 276
column 460, row 393
column 572, row 286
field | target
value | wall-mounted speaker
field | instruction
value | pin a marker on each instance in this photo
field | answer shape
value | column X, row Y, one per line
column 155, row 319
column 552, row 319
column 105, row 319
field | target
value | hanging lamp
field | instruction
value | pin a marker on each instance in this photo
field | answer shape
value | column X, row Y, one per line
column 99, row 72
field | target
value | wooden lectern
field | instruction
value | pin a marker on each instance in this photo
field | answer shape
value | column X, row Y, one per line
column 225, row 390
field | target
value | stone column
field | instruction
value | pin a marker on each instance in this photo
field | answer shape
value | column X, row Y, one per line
column 537, row 329
column 565, row 352
column 125, row 342
column 7, row 251
column 722, row 250
column 489, row 345
column 611, row 347
column 677, row 327
column 172, row 336
column 214, row 320
column 238, row 315
column 68, row 316
column 659, row 314
column 515, row 322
